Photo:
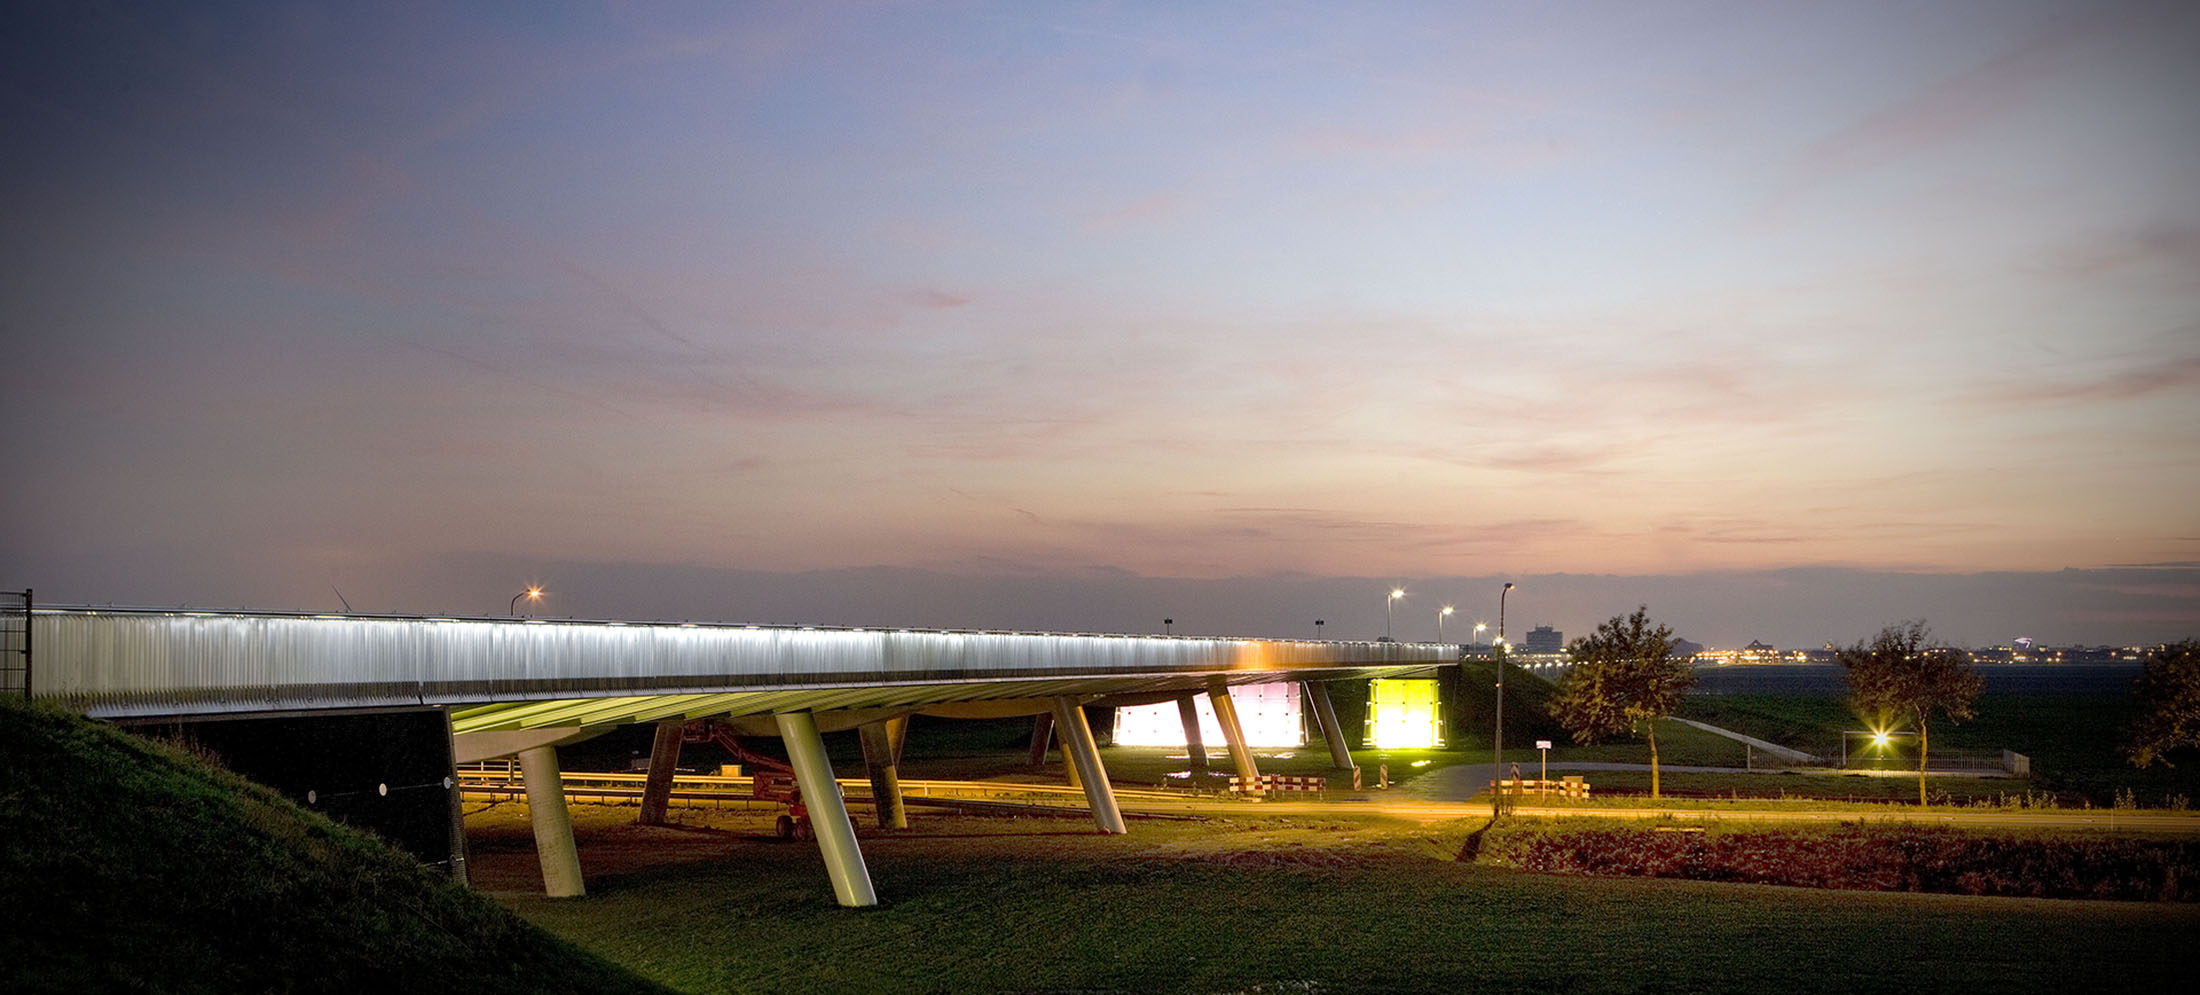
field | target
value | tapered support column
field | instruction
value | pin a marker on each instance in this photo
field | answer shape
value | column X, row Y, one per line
column 897, row 735
column 879, row 762
column 1232, row 733
column 664, row 759
column 1084, row 757
column 561, row 859
column 836, row 835
column 1325, row 716
column 1187, row 712
column 1042, row 736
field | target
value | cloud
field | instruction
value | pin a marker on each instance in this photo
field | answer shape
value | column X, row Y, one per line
column 1943, row 112
column 1144, row 211
column 934, row 299
column 2133, row 382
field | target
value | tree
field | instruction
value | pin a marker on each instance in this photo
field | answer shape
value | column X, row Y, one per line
column 1903, row 675
column 2167, row 693
column 1624, row 676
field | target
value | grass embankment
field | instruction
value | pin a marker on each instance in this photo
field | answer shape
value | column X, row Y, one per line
column 1019, row 905
column 2072, row 741
column 129, row 866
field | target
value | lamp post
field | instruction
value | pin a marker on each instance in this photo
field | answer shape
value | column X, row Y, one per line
column 1318, row 623
column 1168, row 626
column 532, row 594
column 1497, row 738
column 1479, row 628
column 1395, row 594
column 1440, row 622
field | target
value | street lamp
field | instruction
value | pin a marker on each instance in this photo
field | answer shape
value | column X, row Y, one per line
column 1497, row 739
column 1168, row 626
column 1318, row 623
column 1395, row 594
column 532, row 594
column 1479, row 628
column 1440, row 622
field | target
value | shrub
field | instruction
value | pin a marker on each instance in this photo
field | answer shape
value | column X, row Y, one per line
column 1874, row 857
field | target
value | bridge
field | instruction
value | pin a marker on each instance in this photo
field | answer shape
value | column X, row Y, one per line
column 522, row 687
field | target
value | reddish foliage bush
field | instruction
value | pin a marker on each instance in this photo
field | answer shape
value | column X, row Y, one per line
column 1874, row 857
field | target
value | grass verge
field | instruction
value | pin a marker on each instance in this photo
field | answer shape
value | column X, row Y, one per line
column 129, row 866
column 1267, row 905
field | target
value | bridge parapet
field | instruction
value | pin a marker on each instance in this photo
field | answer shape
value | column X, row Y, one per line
column 123, row 663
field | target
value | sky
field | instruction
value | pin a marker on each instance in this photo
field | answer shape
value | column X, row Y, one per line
column 1788, row 320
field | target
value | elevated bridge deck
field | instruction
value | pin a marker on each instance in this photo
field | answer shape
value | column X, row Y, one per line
column 521, row 687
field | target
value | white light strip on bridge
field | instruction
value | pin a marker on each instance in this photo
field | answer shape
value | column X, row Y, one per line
column 115, row 663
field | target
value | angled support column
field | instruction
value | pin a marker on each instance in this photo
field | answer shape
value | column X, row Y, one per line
column 1084, row 757
column 664, row 759
column 836, row 835
column 1042, row 736
column 897, row 734
column 554, row 847
column 1232, row 733
column 879, row 761
column 1325, row 716
column 1187, row 712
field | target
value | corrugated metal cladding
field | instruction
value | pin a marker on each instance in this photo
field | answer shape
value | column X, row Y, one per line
column 113, row 663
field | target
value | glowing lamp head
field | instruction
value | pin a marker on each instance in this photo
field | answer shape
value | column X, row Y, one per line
column 1397, row 592
column 1879, row 738
column 1449, row 609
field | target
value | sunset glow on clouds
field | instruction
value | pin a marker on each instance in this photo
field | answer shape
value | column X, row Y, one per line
column 1181, row 291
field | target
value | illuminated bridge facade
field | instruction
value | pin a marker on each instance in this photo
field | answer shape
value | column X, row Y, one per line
column 513, row 687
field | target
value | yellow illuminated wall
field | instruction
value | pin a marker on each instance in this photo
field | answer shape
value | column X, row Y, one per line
column 1403, row 715
column 1270, row 714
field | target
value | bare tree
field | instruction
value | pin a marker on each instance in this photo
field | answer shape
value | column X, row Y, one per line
column 1901, row 674
column 2167, row 693
column 1624, row 677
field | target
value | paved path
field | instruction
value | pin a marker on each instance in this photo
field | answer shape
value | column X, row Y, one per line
column 1775, row 749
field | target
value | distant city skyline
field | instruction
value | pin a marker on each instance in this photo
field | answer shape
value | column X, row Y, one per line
column 1746, row 312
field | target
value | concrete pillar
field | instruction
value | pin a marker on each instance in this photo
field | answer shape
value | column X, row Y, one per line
column 897, row 734
column 836, row 834
column 879, row 763
column 1042, row 736
column 1325, row 716
column 664, row 760
column 554, row 847
column 1232, row 733
column 1084, row 757
column 1187, row 712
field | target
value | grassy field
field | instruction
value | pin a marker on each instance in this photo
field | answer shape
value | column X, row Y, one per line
column 1029, row 905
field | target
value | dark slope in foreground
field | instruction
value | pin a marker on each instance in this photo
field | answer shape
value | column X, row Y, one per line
column 129, row 866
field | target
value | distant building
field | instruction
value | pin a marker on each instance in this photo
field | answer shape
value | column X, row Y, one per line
column 1543, row 639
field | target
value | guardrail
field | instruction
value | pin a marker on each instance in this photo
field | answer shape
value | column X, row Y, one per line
column 1566, row 787
column 496, row 782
